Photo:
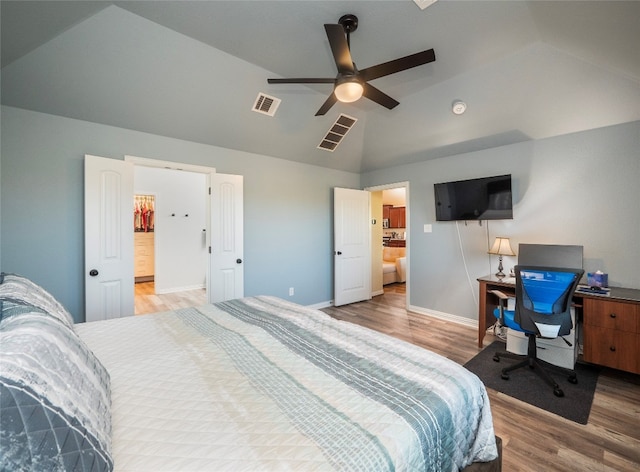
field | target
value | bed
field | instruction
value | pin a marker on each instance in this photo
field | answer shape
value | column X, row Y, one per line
column 253, row 384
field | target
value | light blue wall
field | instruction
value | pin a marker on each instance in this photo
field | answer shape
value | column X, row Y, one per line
column 287, row 206
column 574, row 189
column 581, row 188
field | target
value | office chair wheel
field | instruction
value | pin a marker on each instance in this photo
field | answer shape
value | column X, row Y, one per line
column 573, row 379
column 557, row 391
column 504, row 375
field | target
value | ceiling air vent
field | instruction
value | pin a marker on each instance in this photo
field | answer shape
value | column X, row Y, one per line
column 338, row 131
column 266, row 104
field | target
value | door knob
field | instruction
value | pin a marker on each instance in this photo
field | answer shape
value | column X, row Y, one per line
column 93, row 272
column 238, row 261
column 338, row 253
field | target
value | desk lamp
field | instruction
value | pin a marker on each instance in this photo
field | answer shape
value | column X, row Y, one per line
column 501, row 247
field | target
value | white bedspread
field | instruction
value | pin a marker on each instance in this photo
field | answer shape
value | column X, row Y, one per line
column 263, row 384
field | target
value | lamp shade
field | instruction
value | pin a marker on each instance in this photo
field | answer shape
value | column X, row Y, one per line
column 502, row 247
column 348, row 91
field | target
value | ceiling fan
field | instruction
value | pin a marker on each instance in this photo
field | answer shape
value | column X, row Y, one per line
column 350, row 84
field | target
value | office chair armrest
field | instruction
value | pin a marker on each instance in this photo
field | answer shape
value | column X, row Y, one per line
column 503, row 301
column 499, row 294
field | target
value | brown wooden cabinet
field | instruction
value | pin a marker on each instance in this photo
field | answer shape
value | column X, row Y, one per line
column 397, row 217
column 611, row 331
column 385, row 211
column 143, row 262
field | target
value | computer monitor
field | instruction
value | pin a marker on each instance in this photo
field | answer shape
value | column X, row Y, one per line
column 551, row 255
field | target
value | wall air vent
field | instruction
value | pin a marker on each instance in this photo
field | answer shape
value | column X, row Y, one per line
column 338, row 131
column 266, row 104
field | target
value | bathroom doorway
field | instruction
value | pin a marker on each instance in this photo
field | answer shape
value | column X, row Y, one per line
column 390, row 216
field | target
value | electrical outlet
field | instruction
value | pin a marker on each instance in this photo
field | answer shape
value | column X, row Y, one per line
column 291, row 291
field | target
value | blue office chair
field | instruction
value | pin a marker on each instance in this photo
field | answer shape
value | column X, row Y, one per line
column 542, row 309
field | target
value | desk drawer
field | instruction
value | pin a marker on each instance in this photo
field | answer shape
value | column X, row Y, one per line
column 612, row 315
column 613, row 348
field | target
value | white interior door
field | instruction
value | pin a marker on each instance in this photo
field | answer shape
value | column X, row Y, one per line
column 108, row 216
column 352, row 242
column 226, row 280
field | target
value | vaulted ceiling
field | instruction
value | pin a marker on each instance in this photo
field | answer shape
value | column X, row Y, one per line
column 193, row 69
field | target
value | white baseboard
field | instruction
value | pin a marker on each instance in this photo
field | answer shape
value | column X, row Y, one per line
column 329, row 303
column 319, row 306
column 179, row 289
column 461, row 320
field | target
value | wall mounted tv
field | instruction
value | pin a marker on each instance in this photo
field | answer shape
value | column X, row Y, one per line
column 486, row 198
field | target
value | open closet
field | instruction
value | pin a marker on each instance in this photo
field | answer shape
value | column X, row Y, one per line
column 144, row 238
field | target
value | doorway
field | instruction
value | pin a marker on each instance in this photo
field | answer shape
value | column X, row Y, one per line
column 390, row 240
column 195, row 206
column 170, row 247
column 109, row 261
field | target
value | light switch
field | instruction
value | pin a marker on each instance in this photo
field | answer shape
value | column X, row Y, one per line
column 427, row 228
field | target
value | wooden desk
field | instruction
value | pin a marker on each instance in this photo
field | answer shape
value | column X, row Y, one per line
column 610, row 325
column 488, row 302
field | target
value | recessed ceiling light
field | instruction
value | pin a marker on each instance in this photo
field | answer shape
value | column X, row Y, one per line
column 458, row 107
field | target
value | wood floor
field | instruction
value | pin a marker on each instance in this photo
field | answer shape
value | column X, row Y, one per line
column 146, row 300
column 533, row 439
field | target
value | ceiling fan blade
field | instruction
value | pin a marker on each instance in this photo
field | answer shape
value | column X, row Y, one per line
column 301, row 81
column 327, row 104
column 377, row 96
column 398, row 65
column 340, row 48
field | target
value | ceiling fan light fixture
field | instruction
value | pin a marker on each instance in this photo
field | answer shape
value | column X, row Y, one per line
column 348, row 91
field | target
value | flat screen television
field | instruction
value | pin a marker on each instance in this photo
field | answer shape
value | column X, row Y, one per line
column 486, row 198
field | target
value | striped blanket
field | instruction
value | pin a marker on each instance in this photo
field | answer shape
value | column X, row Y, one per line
column 264, row 384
